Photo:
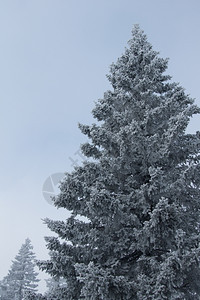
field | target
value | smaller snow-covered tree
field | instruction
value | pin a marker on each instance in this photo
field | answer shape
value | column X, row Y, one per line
column 29, row 295
column 21, row 277
column 55, row 288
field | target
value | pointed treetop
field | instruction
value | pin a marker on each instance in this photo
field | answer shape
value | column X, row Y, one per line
column 21, row 276
column 139, row 69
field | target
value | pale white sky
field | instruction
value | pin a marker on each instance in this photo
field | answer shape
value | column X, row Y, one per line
column 54, row 57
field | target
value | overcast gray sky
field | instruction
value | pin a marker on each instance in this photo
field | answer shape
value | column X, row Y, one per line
column 54, row 57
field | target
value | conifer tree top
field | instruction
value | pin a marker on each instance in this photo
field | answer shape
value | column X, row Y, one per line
column 21, row 277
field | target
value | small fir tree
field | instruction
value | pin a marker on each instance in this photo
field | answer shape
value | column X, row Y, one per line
column 140, row 192
column 55, row 288
column 21, row 277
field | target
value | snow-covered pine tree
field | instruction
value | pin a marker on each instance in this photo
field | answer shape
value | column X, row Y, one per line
column 140, row 192
column 55, row 288
column 21, row 277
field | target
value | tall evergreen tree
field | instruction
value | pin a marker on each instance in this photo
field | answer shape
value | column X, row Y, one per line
column 21, row 277
column 140, row 192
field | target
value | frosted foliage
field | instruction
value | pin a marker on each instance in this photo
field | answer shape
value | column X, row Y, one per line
column 21, row 277
column 138, row 190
